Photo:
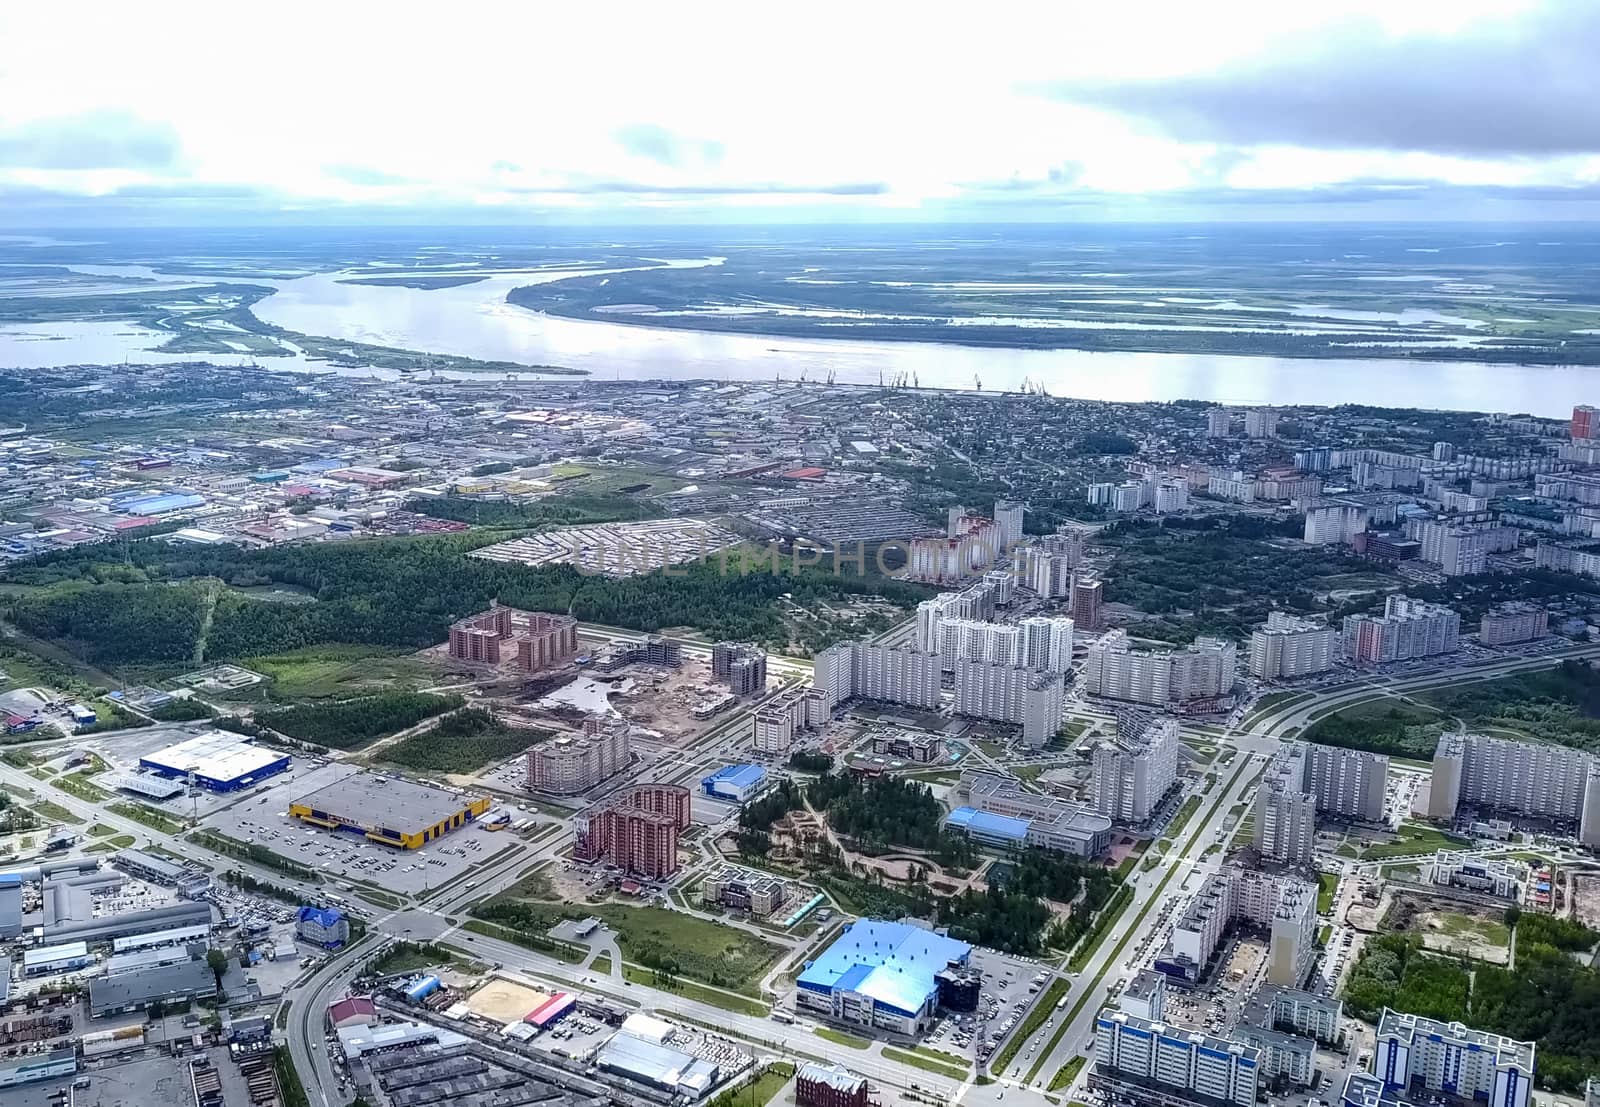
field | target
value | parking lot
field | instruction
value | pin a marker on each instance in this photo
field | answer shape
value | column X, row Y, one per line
column 264, row 820
column 1010, row 987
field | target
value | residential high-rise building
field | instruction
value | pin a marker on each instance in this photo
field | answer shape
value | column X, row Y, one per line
column 1407, row 628
column 1136, row 770
column 1444, row 451
column 1524, row 778
column 1285, row 821
column 1585, row 421
column 787, row 714
column 540, row 640
column 571, row 764
column 1217, row 421
column 1517, row 621
column 1334, row 524
column 1412, row 1051
column 1290, row 646
column 742, row 665
column 1008, row 514
column 1088, row 593
column 1348, row 784
column 1457, row 550
column 1260, row 422
column 636, row 829
column 1139, row 1061
column 1306, row 780
column 1205, row 669
column 862, row 670
column 1046, row 643
column 1232, row 485
column 1283, row 905
column 1012, row 694
column 1046, row 572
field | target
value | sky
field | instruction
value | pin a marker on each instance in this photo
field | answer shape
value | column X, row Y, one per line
column 695, row 112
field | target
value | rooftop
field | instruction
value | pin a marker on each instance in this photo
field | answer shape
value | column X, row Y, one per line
column 889, row 962
column 374, row 800
column 214, row 754
column 987, row 824
column 740, row 776
column 1405, row 1024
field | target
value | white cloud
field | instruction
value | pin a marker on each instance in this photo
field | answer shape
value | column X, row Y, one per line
column 874, row 106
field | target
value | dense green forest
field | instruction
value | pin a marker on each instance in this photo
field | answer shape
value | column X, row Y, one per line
column 552, row 511
column 997, row 918
column 885, row 812
column 401, row 593
column 1550, row 997
column 345, row 724
column 462, row 743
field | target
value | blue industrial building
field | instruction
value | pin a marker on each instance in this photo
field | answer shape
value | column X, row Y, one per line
column 218, row 760
column 160, row 504
column 990, row 829
column 880, row 974
column 734, row 782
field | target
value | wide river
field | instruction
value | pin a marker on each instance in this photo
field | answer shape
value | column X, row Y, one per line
column 475, row 321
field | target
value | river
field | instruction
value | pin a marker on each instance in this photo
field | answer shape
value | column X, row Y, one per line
column 474, row 320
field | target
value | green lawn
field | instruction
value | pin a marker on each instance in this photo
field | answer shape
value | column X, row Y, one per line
column 758, row 1091
column 602, row 964
column 54, row 813
column 1414, row 839
column 149, row 816
column 928, row 1064
column 1067, row 1073
column 574, row 955
column 1103, row 922
column 688, row 989
column 839, row 1037
column 317, row 672
column 79, row 785
column 1327, row 885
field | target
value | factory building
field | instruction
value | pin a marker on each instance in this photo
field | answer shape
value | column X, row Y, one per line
column 636, row 829
column 572, row 764
column 880, row 974
column 141, row 981
column 388, row 810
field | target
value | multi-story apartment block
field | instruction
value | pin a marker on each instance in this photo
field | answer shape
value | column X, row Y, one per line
column 1334, row 524
column 1011, row 694
column 1524, row 778
column 1260, row 422
column 1306, row 780
column 1050, row 821
column 1407, row 629
column 742, row 665
column 1232, row 485
column 1582, row 560
column 1008, row 516
column 571, row 764
column 861, row 670
column 1285, row 820
column 1290, row 646
column 1204, row 670
column 636, row 829
column 1283, row 486
column 777, row 721
column 1217, row 422
column 1088, row 593
column 540, row 640
column 1458, row 550
column 1585, row 422
column 1046, row 643
column 1444, row 1058
column 1517, row 621
column 1283, row 905
column 1136, row 770
column 1136, row 1060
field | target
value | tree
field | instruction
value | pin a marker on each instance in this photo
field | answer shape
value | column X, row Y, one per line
column 1513, row 916
column 217, row 961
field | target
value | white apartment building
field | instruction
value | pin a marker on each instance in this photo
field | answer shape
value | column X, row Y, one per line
column 1284, row 905
column 1217, row 422
column 1170, row 495
column 1204, row 670
column 1012, row 694
column 1524, row 778
column 1008, row 515
column 1260, row 422
column 1135, row 771
column 1286, row 821
column 787, row 714
column 1290, row 646
column 1132, row 1056
column 1234, row 485
column 1513, row 622
column 1407, row 629
column 1451, row 1058
column 1451, row 500
column 1335, row 524
column 1306, row 780
column 1568, row 559
column 1457, row 550
column 1046, row 643
column 861, row 670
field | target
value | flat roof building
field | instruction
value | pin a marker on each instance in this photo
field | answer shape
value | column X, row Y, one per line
column 1053, row 823
column 216, row 759
column 880, row 974
column 388, row 810
column 734, row 782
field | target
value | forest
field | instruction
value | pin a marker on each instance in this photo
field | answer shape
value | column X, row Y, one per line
column 347, row 724
column 401, row 593
column 462, row 742
column 1550, row 998
column 995, row 917
column 885, row 812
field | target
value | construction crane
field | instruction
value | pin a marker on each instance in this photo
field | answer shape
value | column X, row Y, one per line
column 976, row 383
column 833, row 375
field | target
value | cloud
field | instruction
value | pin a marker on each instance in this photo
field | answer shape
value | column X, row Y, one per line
column 92, row 140
column 363, row 175
column 586, row 187
column 1528, row 88
column 657, row 144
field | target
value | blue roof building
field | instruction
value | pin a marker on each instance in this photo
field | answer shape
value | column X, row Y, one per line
column 880, row 974
column 734, row 782
column 988, row 828
column 322, row 926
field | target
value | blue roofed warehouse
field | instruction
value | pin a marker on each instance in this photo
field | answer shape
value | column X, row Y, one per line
column 880, row 974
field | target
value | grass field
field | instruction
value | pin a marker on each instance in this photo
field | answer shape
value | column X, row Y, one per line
column 839, row 1037
column 1067, row 1073
column 688, row 989
column 1414, row 839
column 1103, row 922
column 602, row 964
column 54, row 813
column 318, row 672
column 1327, row 885
column 1181, row 819
column 150, row 817
column 760, row 1090
column 926, row 1063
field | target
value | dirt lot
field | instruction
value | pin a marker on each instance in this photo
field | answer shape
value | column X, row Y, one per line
column 1466, row 931
column 1586, row 897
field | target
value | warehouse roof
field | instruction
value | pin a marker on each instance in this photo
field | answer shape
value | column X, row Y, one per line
column 662, row 1066
column 142, row 986
column 891, row 963
column 987, row 823
column 740, row 776
column 214, row 755
column 373, row 800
